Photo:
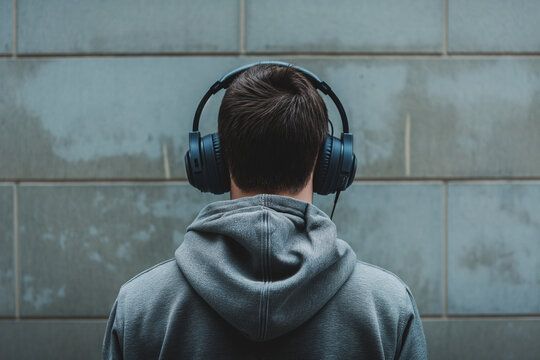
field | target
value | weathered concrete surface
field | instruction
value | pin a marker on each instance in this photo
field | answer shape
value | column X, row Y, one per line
column 123, row 26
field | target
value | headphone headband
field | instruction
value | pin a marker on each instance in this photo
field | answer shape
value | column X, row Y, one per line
column 229, row 78
column 226, row 80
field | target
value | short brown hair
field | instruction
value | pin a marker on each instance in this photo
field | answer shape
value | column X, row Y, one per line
column 272, row 123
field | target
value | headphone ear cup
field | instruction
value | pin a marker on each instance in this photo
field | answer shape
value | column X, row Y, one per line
column 188, row 169
column 205, row 167
column 324, row 176
column 215, row 178
column 193, row 161
column 329, row 176
column 347, row 163
column 353, row 172
column 223, row 181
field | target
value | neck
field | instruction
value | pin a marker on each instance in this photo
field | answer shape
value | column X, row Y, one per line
column 306, row 194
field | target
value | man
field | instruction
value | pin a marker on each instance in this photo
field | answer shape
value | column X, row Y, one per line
column 263, row 275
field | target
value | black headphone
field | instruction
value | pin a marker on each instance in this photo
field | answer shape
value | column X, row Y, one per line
column 336, row 164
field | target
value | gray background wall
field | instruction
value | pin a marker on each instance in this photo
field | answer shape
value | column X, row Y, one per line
column 97, row 97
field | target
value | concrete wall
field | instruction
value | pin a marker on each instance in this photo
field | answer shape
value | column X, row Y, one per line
column 97, row 97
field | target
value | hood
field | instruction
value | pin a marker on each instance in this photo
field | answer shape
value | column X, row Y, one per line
column 265, row 263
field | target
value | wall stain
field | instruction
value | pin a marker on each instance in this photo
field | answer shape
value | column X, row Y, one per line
column 496, row 257
column 23, row 137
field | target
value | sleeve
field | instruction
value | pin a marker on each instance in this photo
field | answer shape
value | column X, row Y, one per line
column 112, row 342
column 413, row 341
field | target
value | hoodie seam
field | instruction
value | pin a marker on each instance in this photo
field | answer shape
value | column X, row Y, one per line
column 265, row 269
column 146, row 271
column 268, row 273
column 261, row 296
column 386, row 271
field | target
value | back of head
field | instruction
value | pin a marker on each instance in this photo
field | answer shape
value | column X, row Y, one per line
column 272, row 123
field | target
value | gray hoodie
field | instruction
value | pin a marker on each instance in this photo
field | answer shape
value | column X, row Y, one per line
column 264, row 277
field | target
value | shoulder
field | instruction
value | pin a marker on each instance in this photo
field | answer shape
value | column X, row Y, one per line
column 379, row 278
column 151, row 285
column 379, row 289
column 165, row 269
column 143, row 307
column 393, row 309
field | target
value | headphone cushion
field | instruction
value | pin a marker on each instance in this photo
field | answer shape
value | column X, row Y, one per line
column 223, row 181
column 193, row 158
column 217, row 148
column 320, row 175
column 212, row 175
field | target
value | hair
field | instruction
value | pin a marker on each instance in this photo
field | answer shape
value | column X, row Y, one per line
column 272, row 123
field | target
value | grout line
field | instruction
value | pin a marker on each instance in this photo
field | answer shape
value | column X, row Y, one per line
column 180, row 181
column 449, row 179
column 445, row 29
column 408, row 145
column 496, row 316
column 467, row 55
column 313, row 55
column 242, row 27
column 58, row 319
column 16, row 249
column 516, row 317
column 14, row 28
column 121, row 182
column 445, row 253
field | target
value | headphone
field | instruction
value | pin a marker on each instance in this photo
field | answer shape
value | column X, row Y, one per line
column 336, row 164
